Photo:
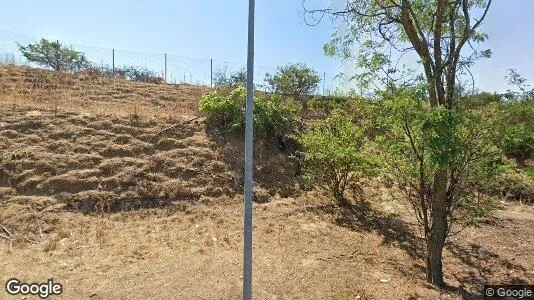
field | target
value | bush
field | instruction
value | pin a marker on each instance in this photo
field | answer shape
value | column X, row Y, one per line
column 274, row 116
column 138, row 74
column 293, row 79
column 226, row 110
column 513, row 184
column 126, row 72
column 238, row 79
column 327, row 104
column 480, row 100
column 334, row 154
column 517, row 128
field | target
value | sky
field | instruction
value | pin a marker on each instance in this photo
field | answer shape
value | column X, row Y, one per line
column 204, row 29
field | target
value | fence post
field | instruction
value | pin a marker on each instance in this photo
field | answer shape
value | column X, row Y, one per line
column 165, row 67
column 211, row 72
column 113, row 62
column 324, row 79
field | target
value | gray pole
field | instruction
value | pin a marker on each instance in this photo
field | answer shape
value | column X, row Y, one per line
column 324, row 80
column 249, row 146
column 113, row 62
column 165, row 67
column 211, row 72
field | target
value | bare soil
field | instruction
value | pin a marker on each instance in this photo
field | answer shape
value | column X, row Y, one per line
column 119, row 190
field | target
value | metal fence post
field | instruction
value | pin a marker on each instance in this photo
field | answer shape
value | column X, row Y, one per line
column 165, row 67
column 211, row 72
column 324, row 80
column 113, row 62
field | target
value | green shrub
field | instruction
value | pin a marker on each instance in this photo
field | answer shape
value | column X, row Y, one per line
column 479, row 100
column 335, row 155
column 293, row 79
column 226, row 110
column 141, row 74
column 274, row 116
column 327, row 103
column 517, row 129
column 514, row 184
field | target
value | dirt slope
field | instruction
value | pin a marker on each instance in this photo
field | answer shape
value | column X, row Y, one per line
column 37, row 88
column 116, row 204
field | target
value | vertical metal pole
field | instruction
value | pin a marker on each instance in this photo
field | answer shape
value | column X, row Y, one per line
column 249, row 146
column 211, row 72
column 113, row 62
column 324, row 80
column 165, row 67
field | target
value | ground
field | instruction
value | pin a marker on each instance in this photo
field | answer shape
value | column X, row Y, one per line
column 120, row 190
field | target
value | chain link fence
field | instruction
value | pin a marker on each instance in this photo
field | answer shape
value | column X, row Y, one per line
column 173, row 69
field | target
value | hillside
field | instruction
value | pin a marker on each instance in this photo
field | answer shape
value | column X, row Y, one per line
column 119, row 190
column 42, row 89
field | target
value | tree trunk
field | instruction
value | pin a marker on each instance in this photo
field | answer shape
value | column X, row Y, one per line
column 438, row 231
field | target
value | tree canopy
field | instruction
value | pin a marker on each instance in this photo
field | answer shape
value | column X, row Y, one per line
column 293, row 79
column 436, row 30
column 54, row 55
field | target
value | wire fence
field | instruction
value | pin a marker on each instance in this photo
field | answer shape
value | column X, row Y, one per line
column 173, row 69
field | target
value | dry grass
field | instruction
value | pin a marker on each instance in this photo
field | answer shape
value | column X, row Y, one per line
column 22, row 86
column 163, row 213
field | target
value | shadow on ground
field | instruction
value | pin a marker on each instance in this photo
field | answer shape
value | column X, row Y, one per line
column 483, row 265
column 363, row 217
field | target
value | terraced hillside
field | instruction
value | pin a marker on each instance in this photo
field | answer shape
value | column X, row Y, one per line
column 84, row 93
column 119, row 164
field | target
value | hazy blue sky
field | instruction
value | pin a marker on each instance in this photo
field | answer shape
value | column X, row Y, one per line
column 217, row 29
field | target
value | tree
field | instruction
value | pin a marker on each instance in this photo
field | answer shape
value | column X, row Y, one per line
column 515, row 79
column 54, row 55
column 293, row 79
column 437, row 31
column 418, row 140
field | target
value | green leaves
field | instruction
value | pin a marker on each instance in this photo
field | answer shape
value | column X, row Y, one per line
column 517, row 127
column 471, row 209
column 226, row 109
column 335, row 153
column 273, row 116
column 54, row 55
column 418, row 140
column 374, row 35
column 330, row 48
column 293, row 79
column 442, row 137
